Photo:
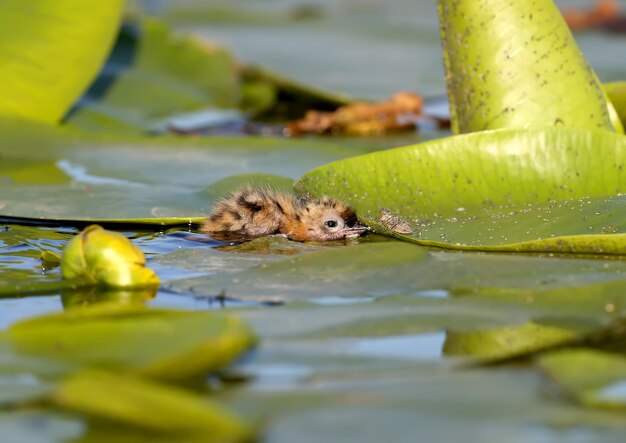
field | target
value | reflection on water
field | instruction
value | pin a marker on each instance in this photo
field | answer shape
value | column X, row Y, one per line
column 277, row 376
column 15, row 309
column 615, row 392
column 410, row 347
column 331, row 300
column 434, row 293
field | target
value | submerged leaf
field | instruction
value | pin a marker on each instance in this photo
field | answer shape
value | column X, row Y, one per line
column 105, row 258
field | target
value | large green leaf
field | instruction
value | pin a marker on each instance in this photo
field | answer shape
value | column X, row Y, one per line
column 536, row 189
column 117, row 178
column 390, row 268
column 51, row 50
column 171, row 345
column 516, row 64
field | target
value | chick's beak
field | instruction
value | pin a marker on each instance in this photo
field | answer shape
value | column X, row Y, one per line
column 355, row 231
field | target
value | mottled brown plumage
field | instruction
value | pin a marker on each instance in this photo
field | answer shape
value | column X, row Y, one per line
column 253, row 212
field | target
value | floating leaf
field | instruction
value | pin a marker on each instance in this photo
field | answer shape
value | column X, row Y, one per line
column 516, row 64
column 505, row 190
column 51, row 50
column 593, row 378
column 125, row 180
column 505, row 342
column 105, row 258
column 149, row 405
column 358, row 270
column 171, row 345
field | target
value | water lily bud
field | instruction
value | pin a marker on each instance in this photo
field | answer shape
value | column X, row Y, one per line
column 99, row 257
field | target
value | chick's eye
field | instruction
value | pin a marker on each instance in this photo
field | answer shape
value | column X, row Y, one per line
column 331, row 223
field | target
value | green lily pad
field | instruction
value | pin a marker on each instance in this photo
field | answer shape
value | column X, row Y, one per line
column 234, row 258
column 505, row 342
column 171, row 345
column 149, row 405
column 504, row 190
column 592, row 378
column 137, row 179
column 48, row 43
column 355, row 270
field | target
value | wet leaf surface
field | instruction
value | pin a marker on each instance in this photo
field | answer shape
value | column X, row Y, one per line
column 342, row 271
column 516, row 190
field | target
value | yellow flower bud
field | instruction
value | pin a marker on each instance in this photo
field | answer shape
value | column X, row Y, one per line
column 99, row 257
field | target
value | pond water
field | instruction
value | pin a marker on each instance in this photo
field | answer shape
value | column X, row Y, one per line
column 372, row 349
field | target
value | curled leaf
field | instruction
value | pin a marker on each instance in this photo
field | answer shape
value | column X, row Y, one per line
column 51, row 50
column 100, row 257
column 516, row 64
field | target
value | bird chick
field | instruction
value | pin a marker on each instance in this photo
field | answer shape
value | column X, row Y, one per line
column 252, row 212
